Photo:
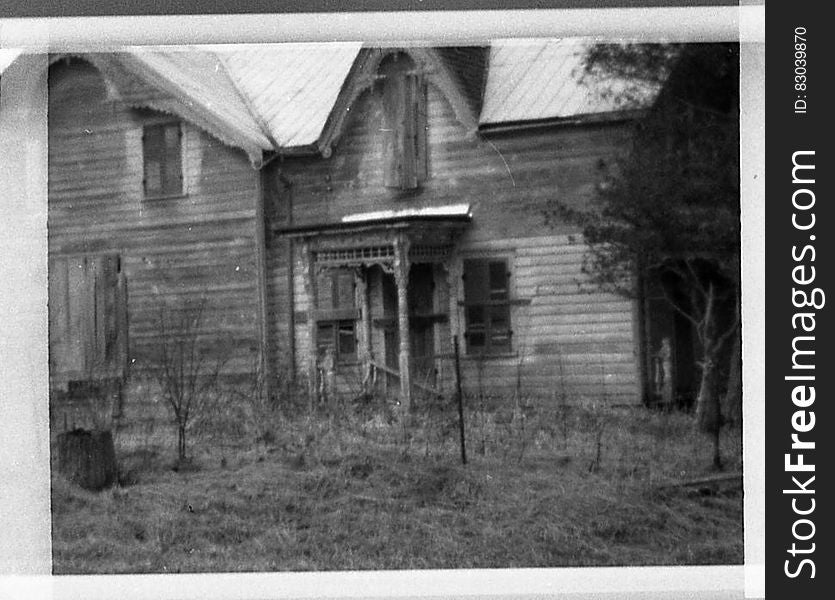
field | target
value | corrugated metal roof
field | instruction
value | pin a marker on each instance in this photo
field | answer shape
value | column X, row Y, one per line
column 531, row 80
column 265, row 96
column 199, row 79
column 291, row 87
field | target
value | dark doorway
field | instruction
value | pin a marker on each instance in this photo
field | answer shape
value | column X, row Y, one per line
column 422, row 323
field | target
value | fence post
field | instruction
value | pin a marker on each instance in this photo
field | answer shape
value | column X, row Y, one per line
column 460, row 400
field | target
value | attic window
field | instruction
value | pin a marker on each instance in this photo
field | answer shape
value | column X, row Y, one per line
column 404, row 123
column 162, row 160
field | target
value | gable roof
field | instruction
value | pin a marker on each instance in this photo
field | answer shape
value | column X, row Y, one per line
column 535, row 80
column 199, row 80
column 292, row 88
column 281, row 97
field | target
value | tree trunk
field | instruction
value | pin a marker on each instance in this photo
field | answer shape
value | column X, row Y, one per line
column 181, row 442
column 732, row 401
column 707, row 402
column 87, row 458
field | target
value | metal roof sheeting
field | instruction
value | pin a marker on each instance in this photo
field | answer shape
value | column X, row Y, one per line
column 531, row 80
column 199, row 79
column 291, row 87
column 280, row 96
column 451, row 211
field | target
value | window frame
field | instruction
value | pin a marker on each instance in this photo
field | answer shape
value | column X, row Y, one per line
column 170, row 160
column 491, row 299
column 340, row 315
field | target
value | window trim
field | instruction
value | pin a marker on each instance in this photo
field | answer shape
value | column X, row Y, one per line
column 336, row 317
column 486, row 303
column 163, row 194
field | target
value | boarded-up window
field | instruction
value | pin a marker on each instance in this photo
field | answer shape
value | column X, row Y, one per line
column 487, row 306
column 405, row 124
column 88, row 318
column 336, row 322
column 162, row 159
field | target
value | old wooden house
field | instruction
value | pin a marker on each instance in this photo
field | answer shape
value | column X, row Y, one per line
column 342, row 214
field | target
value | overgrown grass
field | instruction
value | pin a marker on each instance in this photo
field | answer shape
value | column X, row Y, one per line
column 361, row 488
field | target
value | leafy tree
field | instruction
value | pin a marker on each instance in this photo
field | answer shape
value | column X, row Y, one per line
column 669, row 209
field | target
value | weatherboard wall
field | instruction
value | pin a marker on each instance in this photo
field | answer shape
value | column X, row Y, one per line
column 568, row 336
column 195, row 248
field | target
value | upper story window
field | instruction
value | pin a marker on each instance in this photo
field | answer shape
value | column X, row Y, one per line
column 404, row 123
column 162, row 159
column 487, row 306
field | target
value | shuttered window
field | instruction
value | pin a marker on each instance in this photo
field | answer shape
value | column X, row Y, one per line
column 335, row 325
column 88, row 318
column 405, row 126
column 162, row 160
column 487, row 306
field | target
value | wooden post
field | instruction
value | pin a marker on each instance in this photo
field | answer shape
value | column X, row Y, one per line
column 309, row 276
column 265, row 365
column 361, row 278
column 401, row 279
column 460, row 399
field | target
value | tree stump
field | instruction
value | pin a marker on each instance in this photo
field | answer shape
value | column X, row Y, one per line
column 87, row 458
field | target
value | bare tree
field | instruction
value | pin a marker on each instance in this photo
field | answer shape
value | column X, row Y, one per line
column 181, row 366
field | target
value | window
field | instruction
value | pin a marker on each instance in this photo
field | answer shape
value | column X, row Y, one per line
column 336, row 322
column 405, row 124
column 162, row 159
column 487, row 306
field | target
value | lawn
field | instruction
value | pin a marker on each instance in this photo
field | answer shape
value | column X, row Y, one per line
column 361, row 488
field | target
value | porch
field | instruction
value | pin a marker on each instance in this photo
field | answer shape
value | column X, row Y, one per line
column 382, row 292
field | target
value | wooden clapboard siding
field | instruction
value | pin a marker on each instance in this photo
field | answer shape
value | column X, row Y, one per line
column 523, row 172
column 198, row 247
column 582, row 345
column 568, row 335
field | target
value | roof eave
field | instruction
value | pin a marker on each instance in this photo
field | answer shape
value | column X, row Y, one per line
column 575, row 120
column 396, row 221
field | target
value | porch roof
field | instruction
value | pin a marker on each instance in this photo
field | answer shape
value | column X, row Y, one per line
column 453, row 214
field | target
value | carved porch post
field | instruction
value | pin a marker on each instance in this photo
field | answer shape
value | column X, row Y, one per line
column 454, row 272
column 364, row 333
column 309, row 278
column 401, row 279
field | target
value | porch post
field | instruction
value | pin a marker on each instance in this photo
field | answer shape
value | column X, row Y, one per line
column 453, row 269
column 361, row 279
column 309, row 278
column 401, row 279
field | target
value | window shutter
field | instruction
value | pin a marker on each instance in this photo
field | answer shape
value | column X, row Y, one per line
column 392, row 132
column 325, row 338
column 420, row 133
column 344, row 286
column 408, row 140
column 498, row 280
column 475, row 281
column 486, row 296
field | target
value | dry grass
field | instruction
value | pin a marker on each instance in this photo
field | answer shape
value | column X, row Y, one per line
column 358, row 489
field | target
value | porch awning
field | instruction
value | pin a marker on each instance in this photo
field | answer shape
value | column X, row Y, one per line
column 453, row 213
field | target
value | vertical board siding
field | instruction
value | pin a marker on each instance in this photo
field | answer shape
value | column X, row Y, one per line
column 185, row 250
column 569, row 337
